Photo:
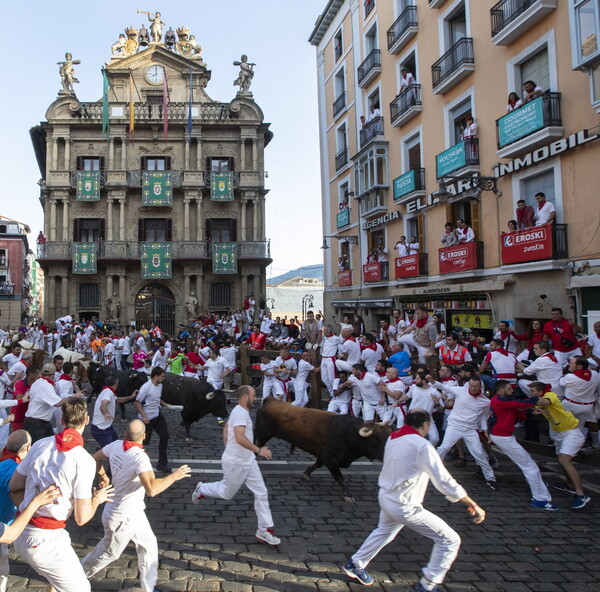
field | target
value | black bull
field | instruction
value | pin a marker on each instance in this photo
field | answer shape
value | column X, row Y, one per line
column 335, row 440
column 197, row 397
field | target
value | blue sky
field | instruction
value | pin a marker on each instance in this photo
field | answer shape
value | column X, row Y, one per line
column 273, row 33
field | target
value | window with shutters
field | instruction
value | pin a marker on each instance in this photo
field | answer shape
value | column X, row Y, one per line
column 220, row 294
column 155, row 230
column 90, row 163
column 88, row 230
column 467, row 210
column 537, row 69
column 414, row 228
column 221, row 230
column 89, row 295
column 153, row 163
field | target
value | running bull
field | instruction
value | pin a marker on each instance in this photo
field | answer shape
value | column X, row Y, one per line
column 335, row 440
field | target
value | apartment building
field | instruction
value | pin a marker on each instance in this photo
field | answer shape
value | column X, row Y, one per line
column 400, row 83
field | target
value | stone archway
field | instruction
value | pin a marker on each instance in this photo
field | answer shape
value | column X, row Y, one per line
column 155, row 303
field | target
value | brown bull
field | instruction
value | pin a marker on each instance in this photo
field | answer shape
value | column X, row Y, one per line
column 335, row 440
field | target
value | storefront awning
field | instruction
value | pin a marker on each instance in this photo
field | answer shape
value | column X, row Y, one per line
column 376, row 303
column 444, row 288
column 585, row 281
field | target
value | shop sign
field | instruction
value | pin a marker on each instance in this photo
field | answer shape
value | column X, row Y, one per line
column 407, row 266
column 389, row 217
column 521, row 122
column 532, row 244
column 458, row 258
column 450, row 160
column 343, row 218
column 404, row 184
column 345, row 278
column 372, row 272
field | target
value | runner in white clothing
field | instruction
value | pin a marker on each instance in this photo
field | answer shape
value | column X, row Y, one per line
column 240, row 466
column 546, row 368
column 367, row 385
column 425, row 396
column 409, row 462
column 329, row 349
column 301, row 380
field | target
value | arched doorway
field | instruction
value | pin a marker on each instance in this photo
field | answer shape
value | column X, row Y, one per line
column 155, row 303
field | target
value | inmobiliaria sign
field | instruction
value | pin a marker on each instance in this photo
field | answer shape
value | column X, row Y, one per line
column 407, row 266
column 372, row 272
column 458, row 258
column 532, row 244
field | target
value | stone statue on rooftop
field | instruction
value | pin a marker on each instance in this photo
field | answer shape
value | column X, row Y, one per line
column 67, row 73
column 244, row 79
column 156, row 28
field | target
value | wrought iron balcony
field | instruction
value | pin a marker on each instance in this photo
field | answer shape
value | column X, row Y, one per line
column 134, row 178
column 371, row 130
column 463, row 154
column 254, row 250
column 406, row 185
column 403, row 30
column 341, row 158
column 457, row 63
column 339, row 103
column 369, row 69
column 534, row 244
column 406, row 105
column 7, row 289
column 512, row 18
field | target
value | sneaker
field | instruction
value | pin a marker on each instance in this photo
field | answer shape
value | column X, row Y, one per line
column 164, row 468
column 267, row 536
column 543, row 505
column 419, row 588
column 492, row 485
column 494, row 462
column 588, row 450
column 563, row 488
column 357, row 573
column 220, row 421
column 581, row 501
column 197, row 496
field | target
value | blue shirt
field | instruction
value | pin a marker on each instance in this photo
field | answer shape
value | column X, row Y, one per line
column 8, row 510
column 401, row 361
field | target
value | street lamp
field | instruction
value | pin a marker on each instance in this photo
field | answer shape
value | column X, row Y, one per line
column 271, row 303
column 352, row 240
column 307, row 302
column 478, row 183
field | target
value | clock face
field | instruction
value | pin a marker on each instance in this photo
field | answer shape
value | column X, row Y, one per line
column 155, row 74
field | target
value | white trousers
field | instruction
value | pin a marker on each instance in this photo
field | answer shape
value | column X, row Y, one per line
column 51, row 555
column 421, row 349
column 471, row 437
column 273, row 387
column 328, row 374
column 563, row 357
column 369, row 411
column 356, row 406
column 584, row 413
column 301, row 396
column 234, row 476
column 520, row 456
column 4, row 567
column 337, row 406
column 119, row 529
column 392, row 518
column 191, row 374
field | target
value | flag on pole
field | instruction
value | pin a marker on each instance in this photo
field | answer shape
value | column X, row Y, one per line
column 131, row 108
column 105, row 121
column 189, row 123
column 165, row 106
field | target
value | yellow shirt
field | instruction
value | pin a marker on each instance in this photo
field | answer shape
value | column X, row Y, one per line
column 144, row 332
column 559, row 419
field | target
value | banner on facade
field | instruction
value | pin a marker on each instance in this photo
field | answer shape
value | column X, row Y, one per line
column 85, row 258
column 407, row 266
column 532, row 244
column 157, row 188
column 221, row 186
column 88, row 185
column 521, row 122
column 458, row 258
column 224, row 256
column 156, row 261
column 345, row 278
column 372, row 272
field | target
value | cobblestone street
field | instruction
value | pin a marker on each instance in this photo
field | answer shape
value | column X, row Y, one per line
column 211, row 547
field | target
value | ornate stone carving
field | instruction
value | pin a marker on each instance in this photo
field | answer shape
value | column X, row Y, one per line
column 67, row 74
column 244, row 79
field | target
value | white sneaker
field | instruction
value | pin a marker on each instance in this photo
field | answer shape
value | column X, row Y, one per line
column 267, row 536
column 197, row 495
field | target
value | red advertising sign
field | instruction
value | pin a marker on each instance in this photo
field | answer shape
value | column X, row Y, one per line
column 344, row 278
column 532, row 244
column 458, row 258
column 372, row 272
column 407, row 266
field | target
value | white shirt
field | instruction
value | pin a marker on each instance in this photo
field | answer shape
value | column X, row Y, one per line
column 160, row 359
column 503, row 365
column 304, row 369
column 469, row 412
column 465, row 236
column 396, row 386
column 402, row 249
column 470, row 131
column 233, row 451
column 64, row 388
column 216, row 369
column 229, row 354
column 329, row 345
column 374, row 114
column 371, row 356
column 43, row 400
column 406, row 81
column 109, row 352
column 270, row 369
column 265, row 325
column 290, row 364
column 413, row 248
column 16, row 368
column 409, row 462
column 580, row 390
column 546, row 370
column 367, row 387
column 421, row 398
column 343, row 397
column 125, row 343
column 149, row 397
column 11, row 360
column 542, row 215
column 141, row 343
column 98, row 418
column 352, row 348
column 72, row 471
column 126, row 466
column 594, row 341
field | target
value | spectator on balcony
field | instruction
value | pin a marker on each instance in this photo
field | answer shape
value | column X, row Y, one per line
column 531, row 91
column 375, row 112
column 464, row 232
column 546, row 213
column 407, row 83
column 372, row 256
column 363, row 121
column 343, row 205
column 525, row 215
column 449, row 237
column 512, row 227
column 469, row 130
column 343, row 263
column 41, row 239
column 382, row 253
column 514, row 102
column 413, row 246
column 402, row 247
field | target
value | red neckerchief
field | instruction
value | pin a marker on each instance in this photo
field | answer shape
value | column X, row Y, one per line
column 110, row 388
column 48, row 380
column 371, row 346
column 551, row 356
column 386, row 327
column 351, row 339
column 362, row 376
column 541, row 204
column 421, row 323
column 547, row 388
column 382, row 374
column 9, row 454
column 501, row 350
column 286, row 359
column 396, row 379
column 447, row 379
column 405, row 430
column 505, row 334
column 68, row 440
column 127, row 444
column 474, row 394
column 583, row 374
column 65, row 377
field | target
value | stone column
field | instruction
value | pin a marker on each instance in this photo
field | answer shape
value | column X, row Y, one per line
column 65, row 221
column 122, row 218
column 67, row 157
column 186, row 287
column 254, row 155
column 109, row 221
column 186, row 154
column 52, row 297
column 200, row 292
column 243, row 221
column 200, row 220
column 111, row 154
column 124, row 154
column 256, row 229
column 54, row 154
column 109, row 288
column 52, row 236
column 123, row 299
column 256, row 289
column 244, row 290
column 64, row 293
column 186, row 219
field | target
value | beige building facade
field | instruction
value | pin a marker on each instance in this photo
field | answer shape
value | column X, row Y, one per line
column 153, row 197
column 416, row 71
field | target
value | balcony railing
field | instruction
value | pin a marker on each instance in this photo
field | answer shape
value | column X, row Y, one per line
column 7, row 289
column 404, row 27
column 341, row 158
column 371, row 130
column 459, row 56
column 370, row 67
column 376, row 272
column 464, row 153
column 511, row 18
column 345, row 278
column 145, row 112
column 543, row 111
column 339, row 103
column 406, row 105
column 369, row 6
column 413, row 180
column 134, row 178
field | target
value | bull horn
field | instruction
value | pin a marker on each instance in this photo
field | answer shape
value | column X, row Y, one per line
column 365, row 432
column 383, row 423
column 210, row 395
